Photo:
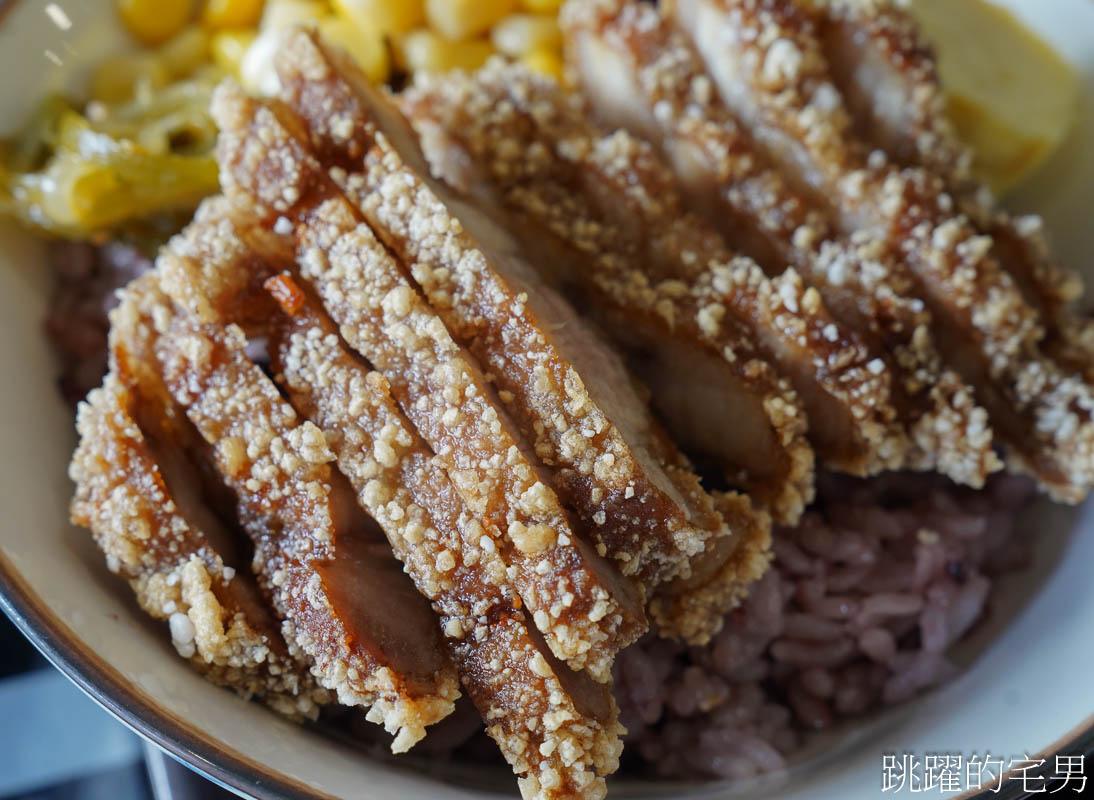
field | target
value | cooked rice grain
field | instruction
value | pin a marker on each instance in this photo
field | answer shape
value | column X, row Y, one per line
column 865, row 596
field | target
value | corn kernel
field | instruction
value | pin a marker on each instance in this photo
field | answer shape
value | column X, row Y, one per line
column 463, row 19
column 256, row 68
column 366, row 45
column 425, row 51
column 185, row 53
column 518, row 34
column 155, row 21
column 228, row 48
column 544, row 61
column 116, row 78
column 281, row 14
column 541, row 6
column 389, row 16
column 219, row 14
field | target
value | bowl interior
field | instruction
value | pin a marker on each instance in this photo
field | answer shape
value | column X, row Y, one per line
column 1027, row 687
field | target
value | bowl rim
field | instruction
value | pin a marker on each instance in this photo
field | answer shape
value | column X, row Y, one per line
column 225, row 766
column 104, row 684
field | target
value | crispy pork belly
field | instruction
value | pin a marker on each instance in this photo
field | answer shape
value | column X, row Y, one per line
column 557, row 728
column 767, row 62
column 637, row 72
column 720, row 578
column 567, row 391
column 142, row 501
column 887, row 75
column 610, row 198
column 323, row 564
column 585, row 608
column 568, row 720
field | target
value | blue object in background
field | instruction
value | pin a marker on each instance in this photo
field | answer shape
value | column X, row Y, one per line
column 57, row 744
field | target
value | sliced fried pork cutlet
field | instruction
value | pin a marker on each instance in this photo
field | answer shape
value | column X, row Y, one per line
column 638, row 72
column 611, row 200
column 888, row 77
column 676, row 336
column 886, row 73
column 566, row 390
column 720, row 578
column 768, row 65
column 585, row 608
column 557, row 728
column 566, row 718
column 766, row 451
column 324, row 565
column 152, row 524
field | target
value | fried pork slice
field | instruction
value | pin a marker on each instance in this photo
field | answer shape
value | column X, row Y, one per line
column 611, row 195
column 634, row 492
column 323, row 564
column 767, row 64
column 720, row 577
column 887, row 74
column 676, row 339
column 402, row 485
column 637, row 72
column 557, row 728
column 152, row 525
column 585, row 608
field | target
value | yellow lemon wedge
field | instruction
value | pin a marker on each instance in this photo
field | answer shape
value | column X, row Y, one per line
column 1011, row 96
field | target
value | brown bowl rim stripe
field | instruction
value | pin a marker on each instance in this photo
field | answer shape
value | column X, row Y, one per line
column 104, row 684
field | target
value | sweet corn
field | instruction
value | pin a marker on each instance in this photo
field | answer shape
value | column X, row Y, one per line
column 518, row 34
column 283, row 13
column 228, row 48
column 366, row 45
column 185, row 53
column 116, row 78
column 541, row 6
column 155, row 21
column 423, row 50
column 389, row 16
column 545, row 61
column 219, row 14
column 463, row 19
column 256, row 69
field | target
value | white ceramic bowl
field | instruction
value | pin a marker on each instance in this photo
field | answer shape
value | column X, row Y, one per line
column 1028, row 689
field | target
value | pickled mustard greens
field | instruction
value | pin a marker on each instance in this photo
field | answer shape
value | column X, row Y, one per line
column 83, row 175
column 141, row 152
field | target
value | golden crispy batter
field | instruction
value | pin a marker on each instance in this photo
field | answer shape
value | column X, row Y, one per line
column 677, row 336
column 555, row 727
column 569, row 393
column 565, row 718
column 328, row 574
column 707, row 599
column 888, row 77
column 638, row 72
column 586, row 610
column 720, row 577
column 611, row 198
column 177, row 571
column 768, row 65
column 875, row 53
